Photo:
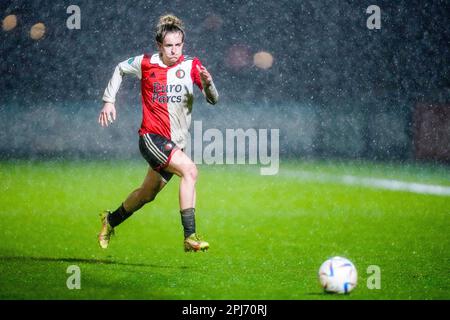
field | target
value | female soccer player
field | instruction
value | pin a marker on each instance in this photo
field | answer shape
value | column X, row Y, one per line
column 167, row 80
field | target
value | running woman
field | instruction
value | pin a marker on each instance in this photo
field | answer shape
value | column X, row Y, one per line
column 167, row 81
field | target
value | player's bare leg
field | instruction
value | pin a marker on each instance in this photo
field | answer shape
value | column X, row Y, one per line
column 152, row 185
column 181, row 165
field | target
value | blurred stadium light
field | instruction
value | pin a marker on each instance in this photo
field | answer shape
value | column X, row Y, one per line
column 238, row 57
column 263, row 60
column 37, row 31
column 213, row 22
column 9, row 22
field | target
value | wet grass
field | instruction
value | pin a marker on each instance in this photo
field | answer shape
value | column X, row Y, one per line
column 268, row 234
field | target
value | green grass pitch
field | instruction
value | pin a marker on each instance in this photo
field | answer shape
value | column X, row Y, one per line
column 268, row 234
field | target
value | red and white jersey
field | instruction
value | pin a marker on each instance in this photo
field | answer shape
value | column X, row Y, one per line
column 167, row 93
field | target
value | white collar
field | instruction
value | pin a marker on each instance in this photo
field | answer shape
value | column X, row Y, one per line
column 155, row 59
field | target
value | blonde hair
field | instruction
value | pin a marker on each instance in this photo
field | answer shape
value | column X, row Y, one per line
column 168, row 23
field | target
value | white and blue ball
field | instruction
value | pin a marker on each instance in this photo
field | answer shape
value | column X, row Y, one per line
column 338, row 275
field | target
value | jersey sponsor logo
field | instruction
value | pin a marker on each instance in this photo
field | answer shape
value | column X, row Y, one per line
column 167, row 93
column 180, row 73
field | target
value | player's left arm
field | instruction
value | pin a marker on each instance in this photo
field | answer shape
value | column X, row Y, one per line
column 209, row 89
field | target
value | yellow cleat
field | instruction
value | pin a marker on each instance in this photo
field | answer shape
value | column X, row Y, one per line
column 194, row 243
column 106, row 232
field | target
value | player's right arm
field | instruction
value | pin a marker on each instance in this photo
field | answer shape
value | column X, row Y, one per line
column 130, row 66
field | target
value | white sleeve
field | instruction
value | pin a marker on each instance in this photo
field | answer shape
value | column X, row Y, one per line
column 130, row 66
column 210, row 92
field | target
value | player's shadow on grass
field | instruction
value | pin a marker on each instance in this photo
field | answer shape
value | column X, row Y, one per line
column 89, row 261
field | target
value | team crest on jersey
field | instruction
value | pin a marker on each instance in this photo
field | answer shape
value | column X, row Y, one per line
column 179, row 73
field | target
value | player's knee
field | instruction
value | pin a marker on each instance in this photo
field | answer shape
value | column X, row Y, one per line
column 191, row 172
column 147, row 197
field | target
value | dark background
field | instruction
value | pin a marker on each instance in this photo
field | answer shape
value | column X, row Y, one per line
column 336, row 89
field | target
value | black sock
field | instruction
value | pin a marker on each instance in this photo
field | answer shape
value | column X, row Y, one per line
column 118, row 216
column 188, row 221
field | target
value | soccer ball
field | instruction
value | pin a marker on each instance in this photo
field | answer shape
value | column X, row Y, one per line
column 338, row 275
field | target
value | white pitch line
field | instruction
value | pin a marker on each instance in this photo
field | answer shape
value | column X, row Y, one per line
column 386, row 184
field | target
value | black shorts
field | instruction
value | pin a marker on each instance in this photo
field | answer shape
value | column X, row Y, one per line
column 157, row 150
